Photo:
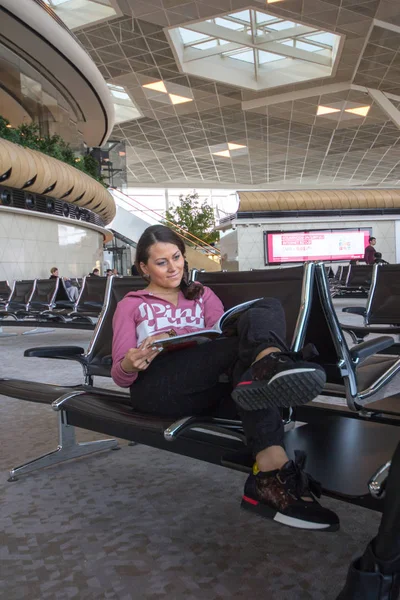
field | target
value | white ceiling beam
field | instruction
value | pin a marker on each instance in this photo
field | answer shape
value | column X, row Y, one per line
column 290, row 52
column 213, row 30
column 283, row 34
column 239, row 37
column 264, row 42
column 191, row 53
column 384, row 103
column 332, row 88
column 386, row 25
column 253, row 36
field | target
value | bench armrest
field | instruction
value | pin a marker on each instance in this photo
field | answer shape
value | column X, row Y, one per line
column 354, row 310
column 60, row 352
column 370, row 347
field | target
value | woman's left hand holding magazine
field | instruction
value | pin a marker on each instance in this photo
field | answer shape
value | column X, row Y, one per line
column 148, row 342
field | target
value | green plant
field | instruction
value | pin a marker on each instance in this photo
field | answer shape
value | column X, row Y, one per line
column 28, row 135
column 193, row 217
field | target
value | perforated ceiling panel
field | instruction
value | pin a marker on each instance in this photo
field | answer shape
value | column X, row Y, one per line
column 199, row 131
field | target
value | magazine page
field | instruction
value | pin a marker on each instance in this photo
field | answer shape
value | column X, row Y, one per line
column 186, row 340
column 227, row 320
column 230, row 316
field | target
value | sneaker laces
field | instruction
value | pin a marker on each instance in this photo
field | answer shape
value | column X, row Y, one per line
column 297, row 479
column 307, row 353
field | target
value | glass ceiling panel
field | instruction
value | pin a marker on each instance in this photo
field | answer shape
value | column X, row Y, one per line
column 255, row 50
column 228, row 24
column 281, row 25
column 247, row 56
column 120, row 95
column 309, row 47
column 267, row 57
column 125, row 109
column 76, row 13
column 206, row 45
column 243, row 15
column 322, row 38
column 188, row 36
column 261, row 18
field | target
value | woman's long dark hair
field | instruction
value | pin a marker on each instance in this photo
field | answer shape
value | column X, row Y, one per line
column 160, row 233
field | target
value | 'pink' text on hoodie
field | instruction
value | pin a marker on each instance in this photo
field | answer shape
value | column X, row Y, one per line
column 142, row 314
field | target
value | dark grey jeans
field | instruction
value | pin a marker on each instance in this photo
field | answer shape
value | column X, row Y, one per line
column 186, row 382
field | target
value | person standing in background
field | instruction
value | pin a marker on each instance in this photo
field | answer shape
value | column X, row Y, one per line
column 369, row 254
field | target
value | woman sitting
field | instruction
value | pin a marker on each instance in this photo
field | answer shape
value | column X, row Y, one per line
column 265, row 375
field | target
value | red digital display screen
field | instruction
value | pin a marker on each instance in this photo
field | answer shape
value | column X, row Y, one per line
column 325, row 245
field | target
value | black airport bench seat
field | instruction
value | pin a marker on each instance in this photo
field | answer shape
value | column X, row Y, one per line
column 353, row 281
column 42, row 301
column 382, row 311
column 342, row 452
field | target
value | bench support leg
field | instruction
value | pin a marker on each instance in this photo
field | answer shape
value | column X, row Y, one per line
column 3, row 334
column 67, row 449
column 38, row 330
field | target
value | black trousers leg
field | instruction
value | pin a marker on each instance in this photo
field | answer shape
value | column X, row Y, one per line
column 186, row 382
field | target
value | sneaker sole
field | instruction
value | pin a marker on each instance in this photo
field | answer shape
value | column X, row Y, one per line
column 267, row 512
column 286, row 389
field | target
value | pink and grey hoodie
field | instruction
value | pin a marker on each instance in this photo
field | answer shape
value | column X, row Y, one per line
column 142, row 314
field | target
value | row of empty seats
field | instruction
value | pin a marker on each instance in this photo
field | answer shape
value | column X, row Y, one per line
column 352, row 281
column 40, row 301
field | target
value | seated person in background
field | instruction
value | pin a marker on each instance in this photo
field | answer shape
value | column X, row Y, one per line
column 94, row 273
column 72, row 291
column 109, row 272
column 265, row 375
column 379, row 260
column 54, row 273
column 134, row 271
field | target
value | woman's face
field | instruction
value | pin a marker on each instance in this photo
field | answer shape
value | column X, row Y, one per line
column 165, row 265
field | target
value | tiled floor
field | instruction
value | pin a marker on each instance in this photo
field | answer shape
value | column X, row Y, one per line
column 143, row 523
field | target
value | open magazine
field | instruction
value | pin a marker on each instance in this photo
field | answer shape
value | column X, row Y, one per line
column 225, row 322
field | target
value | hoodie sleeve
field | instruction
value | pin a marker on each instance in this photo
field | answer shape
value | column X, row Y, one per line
column 124, row 338
column 213, row 308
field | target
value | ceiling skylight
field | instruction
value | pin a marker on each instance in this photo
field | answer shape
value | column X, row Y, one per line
column 247, row 48
column 125, row 109
column 76, row 13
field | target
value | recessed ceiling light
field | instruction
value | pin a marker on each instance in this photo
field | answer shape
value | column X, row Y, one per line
column 179, row 99
column 326, row 110
column 158, row 86
column 361, row 111
column 235, row 146
column 223, row 153
column 272, row 1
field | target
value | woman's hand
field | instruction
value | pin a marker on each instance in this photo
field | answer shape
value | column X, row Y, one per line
column 148, row 342
column 138, row 359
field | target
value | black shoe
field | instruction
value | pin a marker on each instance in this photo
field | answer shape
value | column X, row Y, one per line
column 380, row 582
column 278, row 495
column 280, row 379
